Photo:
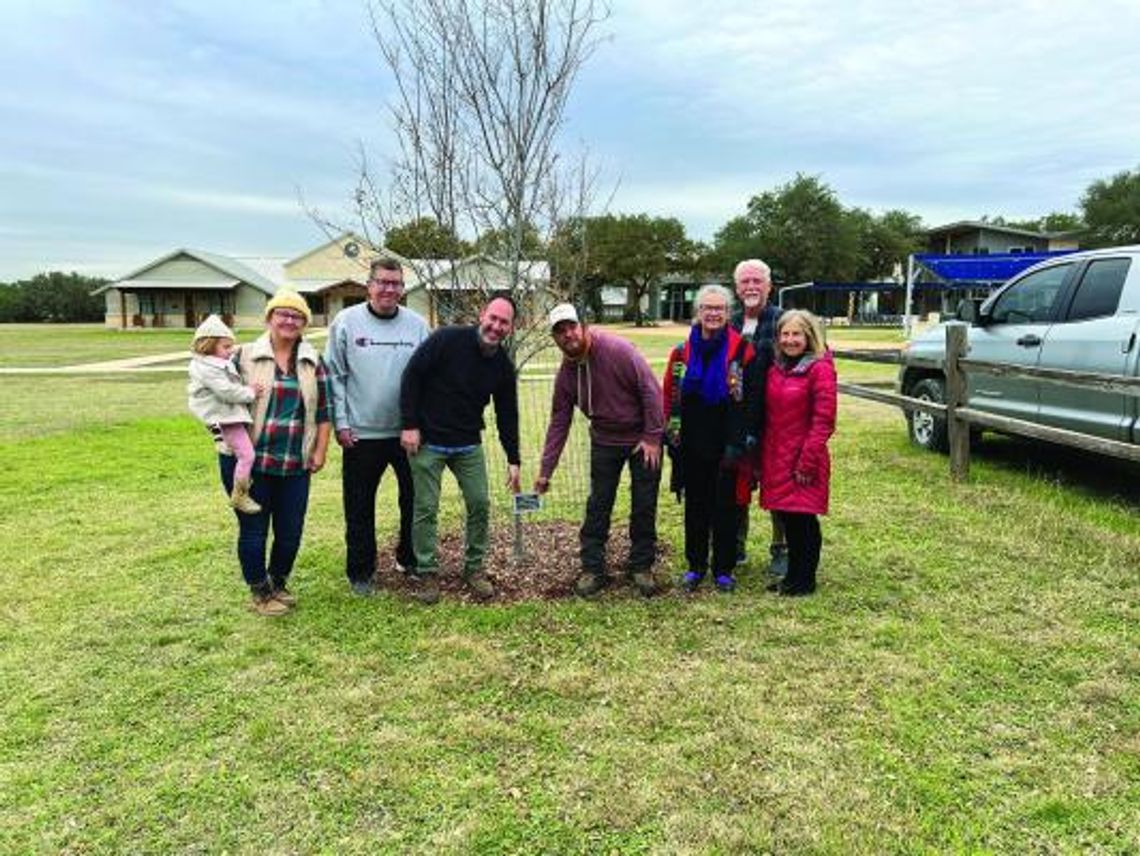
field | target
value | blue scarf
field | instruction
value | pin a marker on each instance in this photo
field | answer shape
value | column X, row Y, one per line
column 705, row 374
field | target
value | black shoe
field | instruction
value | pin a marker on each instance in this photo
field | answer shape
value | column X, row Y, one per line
column 363, row 588
column 785, row 590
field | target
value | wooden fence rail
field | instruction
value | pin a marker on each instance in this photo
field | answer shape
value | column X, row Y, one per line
column 960, row 416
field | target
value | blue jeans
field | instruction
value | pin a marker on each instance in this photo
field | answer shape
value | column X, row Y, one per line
column 284, row 501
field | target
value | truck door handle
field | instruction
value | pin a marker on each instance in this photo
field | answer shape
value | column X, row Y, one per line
column 1029, row 341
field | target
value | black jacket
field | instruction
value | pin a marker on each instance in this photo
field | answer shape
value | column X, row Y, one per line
column 447, row 385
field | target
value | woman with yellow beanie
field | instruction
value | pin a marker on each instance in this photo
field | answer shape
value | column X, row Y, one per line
column 291, row 428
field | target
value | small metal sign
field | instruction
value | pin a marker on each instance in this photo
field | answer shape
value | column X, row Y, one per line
column 527, row 502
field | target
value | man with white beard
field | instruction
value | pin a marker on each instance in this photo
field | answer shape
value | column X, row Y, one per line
column 755, row 320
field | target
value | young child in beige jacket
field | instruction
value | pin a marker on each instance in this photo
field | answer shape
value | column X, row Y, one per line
column 219, row 398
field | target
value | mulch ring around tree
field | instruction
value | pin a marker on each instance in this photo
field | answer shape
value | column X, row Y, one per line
column 547, row 572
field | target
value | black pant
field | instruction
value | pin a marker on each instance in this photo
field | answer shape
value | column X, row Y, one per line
column 804, row 544
column 710, row 508
column 606, row 463
column 362, row 467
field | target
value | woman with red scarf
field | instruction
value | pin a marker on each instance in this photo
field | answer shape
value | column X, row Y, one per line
column 714, row 410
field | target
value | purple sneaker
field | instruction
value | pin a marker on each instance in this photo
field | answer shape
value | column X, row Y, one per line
column 691, row 580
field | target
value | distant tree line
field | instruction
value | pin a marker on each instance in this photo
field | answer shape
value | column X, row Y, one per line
column 54, row 296
column 800, row 228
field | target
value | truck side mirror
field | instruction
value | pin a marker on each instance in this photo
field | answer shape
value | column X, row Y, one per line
column 966, row 311
column 969, row 309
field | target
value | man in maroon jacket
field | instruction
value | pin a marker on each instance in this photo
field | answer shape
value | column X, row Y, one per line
column 609, row 380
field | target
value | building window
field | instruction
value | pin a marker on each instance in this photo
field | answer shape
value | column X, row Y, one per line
column 146, row 303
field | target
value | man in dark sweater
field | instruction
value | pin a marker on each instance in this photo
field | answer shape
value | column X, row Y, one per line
column 609, row 381
column 446, row 386
column 755, row 320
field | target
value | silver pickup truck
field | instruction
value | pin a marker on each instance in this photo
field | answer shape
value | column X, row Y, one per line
column 1079, row 312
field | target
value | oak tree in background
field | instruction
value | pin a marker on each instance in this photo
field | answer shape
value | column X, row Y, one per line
column 630, row 250
column 884, row 241
column 499, row 244
column 424, row 238
column 800, row 229
column 1111, row 209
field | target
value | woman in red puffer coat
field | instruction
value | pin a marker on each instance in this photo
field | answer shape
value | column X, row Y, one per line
column 800, row 398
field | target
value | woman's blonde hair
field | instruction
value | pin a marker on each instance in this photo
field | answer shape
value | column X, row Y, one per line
column 810, row 324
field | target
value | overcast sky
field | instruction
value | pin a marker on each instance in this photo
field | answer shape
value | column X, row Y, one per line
column 132, row 129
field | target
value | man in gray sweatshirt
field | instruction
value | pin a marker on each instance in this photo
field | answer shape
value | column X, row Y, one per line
column 369, row 346
column 609, row 381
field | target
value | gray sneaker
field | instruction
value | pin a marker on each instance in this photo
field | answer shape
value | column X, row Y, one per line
column 778, row 567
column 589, row 584
column 480, row 585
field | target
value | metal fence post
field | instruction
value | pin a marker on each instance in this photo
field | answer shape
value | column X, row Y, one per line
column 958, row 430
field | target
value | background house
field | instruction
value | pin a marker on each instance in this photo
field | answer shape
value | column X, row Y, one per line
column 181, row 288
column 975, row 237
column 446, row 293
column 184, row 286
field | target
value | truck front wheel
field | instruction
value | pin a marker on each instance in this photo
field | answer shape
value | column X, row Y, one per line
column 927, row 430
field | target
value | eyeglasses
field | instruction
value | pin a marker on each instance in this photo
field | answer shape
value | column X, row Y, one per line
column 293, row 317
column 750, row 279
column 715, row 309
column 387, row 284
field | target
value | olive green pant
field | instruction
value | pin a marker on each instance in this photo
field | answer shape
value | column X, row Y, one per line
column 470, row 469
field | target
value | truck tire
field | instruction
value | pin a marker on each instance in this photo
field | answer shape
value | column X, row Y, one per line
column 925, row 429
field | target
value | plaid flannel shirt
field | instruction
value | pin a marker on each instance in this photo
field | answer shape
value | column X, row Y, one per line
column 278, row 449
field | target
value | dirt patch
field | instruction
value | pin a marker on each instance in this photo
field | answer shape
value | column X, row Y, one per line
column 548, row 571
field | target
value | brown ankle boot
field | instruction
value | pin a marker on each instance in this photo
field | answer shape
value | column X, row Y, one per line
column 240, row 498
column 264, row 603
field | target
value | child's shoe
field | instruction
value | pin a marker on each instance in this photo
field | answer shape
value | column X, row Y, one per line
column 240, row 498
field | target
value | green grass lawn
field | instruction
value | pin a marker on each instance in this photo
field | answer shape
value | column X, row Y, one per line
column 966, row 680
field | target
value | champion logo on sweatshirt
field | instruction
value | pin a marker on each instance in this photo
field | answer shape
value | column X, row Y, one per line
column 365, row 342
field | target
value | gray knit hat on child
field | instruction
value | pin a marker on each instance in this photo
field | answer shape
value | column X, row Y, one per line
column 215, row 327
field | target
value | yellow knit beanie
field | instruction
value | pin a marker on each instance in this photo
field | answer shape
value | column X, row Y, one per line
column 288, row 299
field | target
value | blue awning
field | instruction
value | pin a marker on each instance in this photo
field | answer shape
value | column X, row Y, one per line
column 856, row 286
column 962, row 270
